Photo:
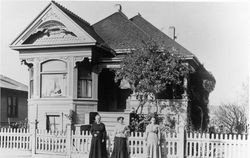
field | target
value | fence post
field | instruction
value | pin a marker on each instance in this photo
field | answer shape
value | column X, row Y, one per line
column 181, row 142
column 68, row 140
column 33, row 131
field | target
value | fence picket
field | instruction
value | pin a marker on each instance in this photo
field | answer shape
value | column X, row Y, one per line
column 202, row 145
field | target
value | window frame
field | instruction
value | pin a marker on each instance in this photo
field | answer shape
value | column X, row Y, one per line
column 12, row 110
column 86, row 88
column 62, row 72
column 54, row 123
column 85, row 66
column 31, row 83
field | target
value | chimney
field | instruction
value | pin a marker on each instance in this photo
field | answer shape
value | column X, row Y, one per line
column 120, row 7
column 172, row 32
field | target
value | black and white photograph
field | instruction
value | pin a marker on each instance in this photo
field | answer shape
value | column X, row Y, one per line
column 124, row 79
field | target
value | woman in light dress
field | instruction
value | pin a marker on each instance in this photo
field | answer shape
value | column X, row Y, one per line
column 152, row 138
column 121, row 133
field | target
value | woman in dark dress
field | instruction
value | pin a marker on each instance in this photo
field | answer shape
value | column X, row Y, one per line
column 98, row 142
column 121, row 133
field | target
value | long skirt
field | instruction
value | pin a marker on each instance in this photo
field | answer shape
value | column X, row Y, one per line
column 153, row 149
column 98, row 148
column 120, row 148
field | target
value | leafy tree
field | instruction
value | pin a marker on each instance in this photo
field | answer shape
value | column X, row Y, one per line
column 151, row 70
column 232, row 117
column 157, row 73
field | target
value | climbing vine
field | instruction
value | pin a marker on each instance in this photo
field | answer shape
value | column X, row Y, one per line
column 201, row 84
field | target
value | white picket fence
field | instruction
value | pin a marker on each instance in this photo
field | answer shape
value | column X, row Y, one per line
column 50, row 142
column 173, row 145
column 216, row 145
column 15, row 139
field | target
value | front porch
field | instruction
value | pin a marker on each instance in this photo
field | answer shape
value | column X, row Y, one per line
column 171, row 108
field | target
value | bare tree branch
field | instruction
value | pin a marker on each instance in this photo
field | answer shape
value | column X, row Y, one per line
column 232, row 117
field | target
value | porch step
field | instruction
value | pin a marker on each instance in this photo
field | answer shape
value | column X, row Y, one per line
column 110, row 119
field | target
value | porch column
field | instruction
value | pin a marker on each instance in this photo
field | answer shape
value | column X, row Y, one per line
column 95, row 76
column 185, row 82
column 183, row 115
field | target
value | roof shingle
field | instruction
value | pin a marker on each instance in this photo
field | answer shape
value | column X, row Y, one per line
column 158, row 36
column 119, row 32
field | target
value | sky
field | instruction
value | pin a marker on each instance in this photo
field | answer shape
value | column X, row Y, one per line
column 217, row 32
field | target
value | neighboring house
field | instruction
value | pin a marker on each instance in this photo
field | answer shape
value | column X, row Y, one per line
column 14, row 104
column 70, row 63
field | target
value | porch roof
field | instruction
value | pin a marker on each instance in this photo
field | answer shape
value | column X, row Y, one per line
column 6, row 82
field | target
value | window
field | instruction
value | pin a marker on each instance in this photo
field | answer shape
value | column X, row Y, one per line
column 53, row 79
column 12, row 106
column 31, row 70
column 84, row 88
column 53, row 123
column 84, row 80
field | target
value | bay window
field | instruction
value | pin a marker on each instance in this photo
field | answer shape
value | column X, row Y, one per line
column 53, row 79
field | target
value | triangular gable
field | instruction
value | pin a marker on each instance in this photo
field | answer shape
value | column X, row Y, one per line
column 53, row 27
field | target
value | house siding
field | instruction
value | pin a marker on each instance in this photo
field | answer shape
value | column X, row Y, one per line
column 83, row 110
column 40, row 109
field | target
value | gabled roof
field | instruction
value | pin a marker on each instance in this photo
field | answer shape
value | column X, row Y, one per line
column 77, row 31
column 157, row 35
column 115, row 32
column 119, row 32
column 6, row 82
column 82, row 23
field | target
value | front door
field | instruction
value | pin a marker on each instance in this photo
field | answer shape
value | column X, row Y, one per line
column 107, row 91
column 111, row 95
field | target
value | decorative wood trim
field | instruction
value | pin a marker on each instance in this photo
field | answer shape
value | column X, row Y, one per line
column 80, row 59
column 28, row 61
column 52, row 12
column 43, row 59
column 50, row 15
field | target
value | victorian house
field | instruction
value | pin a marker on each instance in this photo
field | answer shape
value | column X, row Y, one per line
column 70, row 63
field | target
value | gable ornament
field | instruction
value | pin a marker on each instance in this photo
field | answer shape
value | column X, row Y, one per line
column 51, row 15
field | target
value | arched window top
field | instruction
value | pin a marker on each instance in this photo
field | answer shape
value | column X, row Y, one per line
column 53, row 65
column 51, row 24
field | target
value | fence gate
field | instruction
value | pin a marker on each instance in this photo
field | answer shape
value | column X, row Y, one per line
column 51, row 142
